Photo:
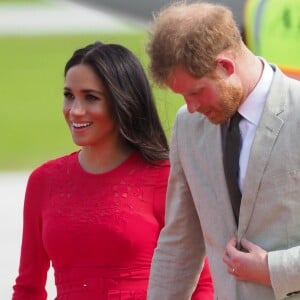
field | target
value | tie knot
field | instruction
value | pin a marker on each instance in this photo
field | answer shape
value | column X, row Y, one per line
column 235, row 120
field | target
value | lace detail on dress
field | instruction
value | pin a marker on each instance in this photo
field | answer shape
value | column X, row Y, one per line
column 104, row 199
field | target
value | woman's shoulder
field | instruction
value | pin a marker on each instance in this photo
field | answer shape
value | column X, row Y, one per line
column 161, row 168
column 56, row 165
column 148, row 171
column 158, row 172
column 155, row 166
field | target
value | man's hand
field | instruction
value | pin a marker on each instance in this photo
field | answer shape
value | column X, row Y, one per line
column 251, row 265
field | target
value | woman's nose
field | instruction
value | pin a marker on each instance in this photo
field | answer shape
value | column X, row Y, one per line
column 77, row 107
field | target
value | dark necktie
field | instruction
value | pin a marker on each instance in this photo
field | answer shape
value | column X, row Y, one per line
column 231, row 156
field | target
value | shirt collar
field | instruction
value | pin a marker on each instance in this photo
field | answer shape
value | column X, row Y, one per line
column 252, row 108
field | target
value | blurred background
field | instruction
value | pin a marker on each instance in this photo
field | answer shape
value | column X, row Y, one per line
column 142, row 10
column 37, row 37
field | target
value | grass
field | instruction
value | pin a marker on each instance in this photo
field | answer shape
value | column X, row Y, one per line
column 32, row 126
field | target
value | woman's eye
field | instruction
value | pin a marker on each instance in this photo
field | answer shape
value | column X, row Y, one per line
column 91, row 97
column 68, row 95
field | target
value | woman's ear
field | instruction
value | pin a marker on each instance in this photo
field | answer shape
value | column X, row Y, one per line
column 225, row 66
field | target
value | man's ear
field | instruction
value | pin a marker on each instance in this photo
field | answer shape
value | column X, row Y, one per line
column 225, row 66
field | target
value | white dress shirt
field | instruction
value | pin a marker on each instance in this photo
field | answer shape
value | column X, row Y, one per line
column 251, row 110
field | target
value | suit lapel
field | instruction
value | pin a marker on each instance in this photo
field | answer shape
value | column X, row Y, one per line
column 265, row 137
column 214, row 154
column 213, row 148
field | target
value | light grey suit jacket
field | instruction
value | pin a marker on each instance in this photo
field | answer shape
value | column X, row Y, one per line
column 199, row 217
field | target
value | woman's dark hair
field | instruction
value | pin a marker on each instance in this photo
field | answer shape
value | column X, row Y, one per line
column 133, row 105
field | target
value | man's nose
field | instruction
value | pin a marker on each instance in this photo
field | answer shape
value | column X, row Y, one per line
column 192, row 105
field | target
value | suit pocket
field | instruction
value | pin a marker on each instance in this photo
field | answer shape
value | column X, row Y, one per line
column 278, row 202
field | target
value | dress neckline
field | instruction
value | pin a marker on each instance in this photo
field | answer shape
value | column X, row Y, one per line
column 134, row 156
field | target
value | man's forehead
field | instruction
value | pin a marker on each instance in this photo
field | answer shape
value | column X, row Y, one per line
column 182, row 81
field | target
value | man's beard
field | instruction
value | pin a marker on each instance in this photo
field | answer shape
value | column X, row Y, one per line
column 231, row 96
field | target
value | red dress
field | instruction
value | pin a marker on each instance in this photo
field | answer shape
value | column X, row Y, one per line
column 98, row 230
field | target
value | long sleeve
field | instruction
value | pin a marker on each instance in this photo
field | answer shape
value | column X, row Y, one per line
column 204, row 289
column 160, row 179
column 34, row 262
column 285, row 271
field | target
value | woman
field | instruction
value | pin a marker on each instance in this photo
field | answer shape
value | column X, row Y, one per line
column 96, row 214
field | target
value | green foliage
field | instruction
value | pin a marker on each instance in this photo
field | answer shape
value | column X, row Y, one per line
column 33, row 129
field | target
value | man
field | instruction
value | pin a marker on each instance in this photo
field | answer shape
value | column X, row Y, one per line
column 254, row 250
